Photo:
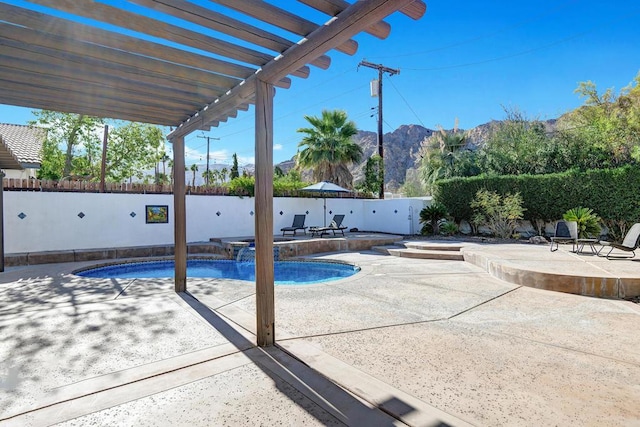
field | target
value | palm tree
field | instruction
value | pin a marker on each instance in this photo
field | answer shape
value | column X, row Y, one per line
column 440, row 153
column 194, row 169
column 327, row 147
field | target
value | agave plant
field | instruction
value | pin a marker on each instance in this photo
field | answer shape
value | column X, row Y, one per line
column 448, row 228
column 588, row 222
column 431, row 216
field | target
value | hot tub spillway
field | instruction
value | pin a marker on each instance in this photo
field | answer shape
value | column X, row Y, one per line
column 249, row 254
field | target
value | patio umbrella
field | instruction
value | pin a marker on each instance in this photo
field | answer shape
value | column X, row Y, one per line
column 325, row 187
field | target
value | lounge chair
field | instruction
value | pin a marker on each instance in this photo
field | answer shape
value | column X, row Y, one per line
column 566, row 232
column 629, row 244
column 298, row 224
column 334, row 226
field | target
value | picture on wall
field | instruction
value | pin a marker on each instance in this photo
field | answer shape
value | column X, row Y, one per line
column 157, row 214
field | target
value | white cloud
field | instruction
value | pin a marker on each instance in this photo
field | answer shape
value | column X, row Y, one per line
column 246, row 160
column 277, row 147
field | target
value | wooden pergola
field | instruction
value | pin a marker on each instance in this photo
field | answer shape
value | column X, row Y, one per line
column 177, row 63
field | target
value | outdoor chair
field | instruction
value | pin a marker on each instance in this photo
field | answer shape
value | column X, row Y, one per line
column 629, row 244
column 566, row 232
column 298, row 224
column 334, row 226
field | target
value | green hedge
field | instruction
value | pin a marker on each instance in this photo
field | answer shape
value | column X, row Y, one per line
column 614, row 194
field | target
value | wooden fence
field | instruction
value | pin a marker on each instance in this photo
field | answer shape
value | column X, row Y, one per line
column 81, row 186
column 14, row 184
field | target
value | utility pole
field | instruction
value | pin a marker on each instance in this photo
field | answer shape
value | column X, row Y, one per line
column 381, row 70
column 206, row 176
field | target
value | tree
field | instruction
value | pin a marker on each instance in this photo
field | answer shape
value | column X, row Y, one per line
column 210, row 176
column 442, row 156
column 132, row 148
column 519, row 145
column 223, row 175
column 605, row 131
column 234, row 167
column 170, row 162
column 413, row 186
column 78, row 135
column 372, row 175
column 327, row 147
column 193, row 168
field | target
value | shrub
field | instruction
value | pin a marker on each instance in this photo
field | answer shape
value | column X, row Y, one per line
column 499, row 213
column 588, row 222
column 242, row 186
column 431, row 216
column 448, row 228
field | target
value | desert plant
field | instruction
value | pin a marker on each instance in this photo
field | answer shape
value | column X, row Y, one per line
column 499, row 213
column 242, row 186
column 431, row 216
column 448, row 228
column 588, row 222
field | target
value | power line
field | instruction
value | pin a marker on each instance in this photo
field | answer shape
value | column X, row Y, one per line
column 483, row 36
column 209, row 138
column 528, row 51
column 406, row 103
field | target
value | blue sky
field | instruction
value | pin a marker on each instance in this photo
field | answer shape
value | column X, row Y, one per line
column 463, row 60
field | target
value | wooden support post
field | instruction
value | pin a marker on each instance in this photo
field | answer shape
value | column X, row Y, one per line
column 179, row 215
column 265, row 311
column 1, row 220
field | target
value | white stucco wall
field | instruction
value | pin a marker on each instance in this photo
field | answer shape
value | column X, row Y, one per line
column 51, row 222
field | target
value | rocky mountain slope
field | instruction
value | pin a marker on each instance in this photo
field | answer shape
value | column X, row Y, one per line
column 400, row 148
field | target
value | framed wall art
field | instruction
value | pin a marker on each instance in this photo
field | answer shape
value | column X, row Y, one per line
column 156, row 214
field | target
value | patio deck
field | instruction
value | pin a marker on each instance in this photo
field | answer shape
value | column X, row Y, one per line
column 404, row 342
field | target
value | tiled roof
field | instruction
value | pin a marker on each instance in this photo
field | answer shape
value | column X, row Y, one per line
column 20, row 146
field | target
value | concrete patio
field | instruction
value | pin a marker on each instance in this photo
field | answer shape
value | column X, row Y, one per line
column 404, row 342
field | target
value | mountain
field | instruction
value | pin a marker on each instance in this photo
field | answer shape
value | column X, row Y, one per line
column 400, row 148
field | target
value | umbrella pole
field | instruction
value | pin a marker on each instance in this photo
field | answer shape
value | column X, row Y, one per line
column 325, row 210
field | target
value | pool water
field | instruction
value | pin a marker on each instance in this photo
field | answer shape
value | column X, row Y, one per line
column 285, row 272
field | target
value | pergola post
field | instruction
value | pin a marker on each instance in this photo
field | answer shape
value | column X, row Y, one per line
column 179, row 215
column 265, row 311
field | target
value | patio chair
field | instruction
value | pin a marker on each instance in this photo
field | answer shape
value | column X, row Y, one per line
column 629, row 244
column 334, row 226
column 298, row 224
column 566, row 232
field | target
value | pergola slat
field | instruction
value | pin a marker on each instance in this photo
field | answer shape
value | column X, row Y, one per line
column 33, row 58
column 77, row 31
column 283, row 19
column 219, row 22
column 71, row 88
column 67, row 49
column 124, row 19
column 380, row 29
column 32, row 98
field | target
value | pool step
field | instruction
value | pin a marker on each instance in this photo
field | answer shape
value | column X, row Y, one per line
column 412, row 252
column 432, row 246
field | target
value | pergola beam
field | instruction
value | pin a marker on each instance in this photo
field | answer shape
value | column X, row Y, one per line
column 352, row 21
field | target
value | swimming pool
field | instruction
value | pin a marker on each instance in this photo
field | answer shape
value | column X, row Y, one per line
column 285, row 272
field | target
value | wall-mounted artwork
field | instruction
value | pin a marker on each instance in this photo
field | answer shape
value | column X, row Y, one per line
column 157, row 214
